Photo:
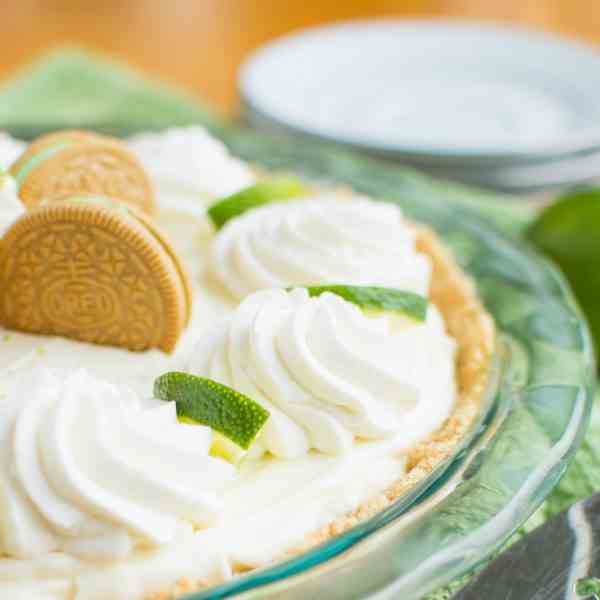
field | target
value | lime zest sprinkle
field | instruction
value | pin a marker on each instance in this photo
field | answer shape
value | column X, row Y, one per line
column 276, row 189
column 377, row 299
column 207, row 402
column 6, row 337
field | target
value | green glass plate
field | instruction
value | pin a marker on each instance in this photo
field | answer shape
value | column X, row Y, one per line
column 534, row 419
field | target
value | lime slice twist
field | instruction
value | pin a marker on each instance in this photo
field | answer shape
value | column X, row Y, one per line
column 210, row 403
column 264, row 192
column 378, row 299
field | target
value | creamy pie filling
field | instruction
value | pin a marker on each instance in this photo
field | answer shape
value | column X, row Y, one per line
column 105, row 495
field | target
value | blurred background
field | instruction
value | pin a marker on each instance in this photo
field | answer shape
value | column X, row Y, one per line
column 199, row 44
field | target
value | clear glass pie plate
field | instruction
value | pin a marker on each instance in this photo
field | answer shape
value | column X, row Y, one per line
column 534, row 416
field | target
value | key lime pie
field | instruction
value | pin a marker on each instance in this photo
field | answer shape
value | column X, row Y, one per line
column 333, row 356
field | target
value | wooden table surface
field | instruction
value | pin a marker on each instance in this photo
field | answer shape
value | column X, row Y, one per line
column 199, row 44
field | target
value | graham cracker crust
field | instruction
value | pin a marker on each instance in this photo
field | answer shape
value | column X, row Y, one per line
column 467, row 321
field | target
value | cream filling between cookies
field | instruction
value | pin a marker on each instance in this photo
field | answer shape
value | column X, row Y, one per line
column 268, row 508
column 37, row 159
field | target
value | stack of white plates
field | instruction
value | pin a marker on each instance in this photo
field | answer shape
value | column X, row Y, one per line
column 497, row 106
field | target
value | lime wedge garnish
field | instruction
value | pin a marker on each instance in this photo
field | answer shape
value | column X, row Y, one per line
column 207, row 402
column 569, row 233
column 263, row 192
column 378, row 299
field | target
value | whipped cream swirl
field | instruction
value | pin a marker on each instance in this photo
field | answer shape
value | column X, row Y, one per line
column 188, row 166
column 88, row 468
column 326, row 239
column 329, row 374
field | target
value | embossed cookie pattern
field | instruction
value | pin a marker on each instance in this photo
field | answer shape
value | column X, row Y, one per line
column 85, row 163
column 90, row 274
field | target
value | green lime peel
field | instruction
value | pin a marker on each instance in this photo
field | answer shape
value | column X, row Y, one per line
column 207, row 402
column 378, row 299
column 278, row 189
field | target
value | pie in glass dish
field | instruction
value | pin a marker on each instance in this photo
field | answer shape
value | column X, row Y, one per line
column 324, row 356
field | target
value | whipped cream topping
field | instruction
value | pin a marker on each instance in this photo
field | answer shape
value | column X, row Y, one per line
column 325, row 239
column 10, row 149
column 327, row 373
column 103, row 494
column 11, row 208
column 188, row 167
column 90, row 469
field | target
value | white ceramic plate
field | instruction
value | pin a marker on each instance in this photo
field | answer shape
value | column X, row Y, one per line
column 431, row 87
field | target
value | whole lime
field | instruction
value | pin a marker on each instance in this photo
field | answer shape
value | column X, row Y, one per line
column 568, row 232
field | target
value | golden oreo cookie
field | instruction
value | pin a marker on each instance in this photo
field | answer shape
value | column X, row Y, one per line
column 94, row 270
column 69, row 162
column 66, row 136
